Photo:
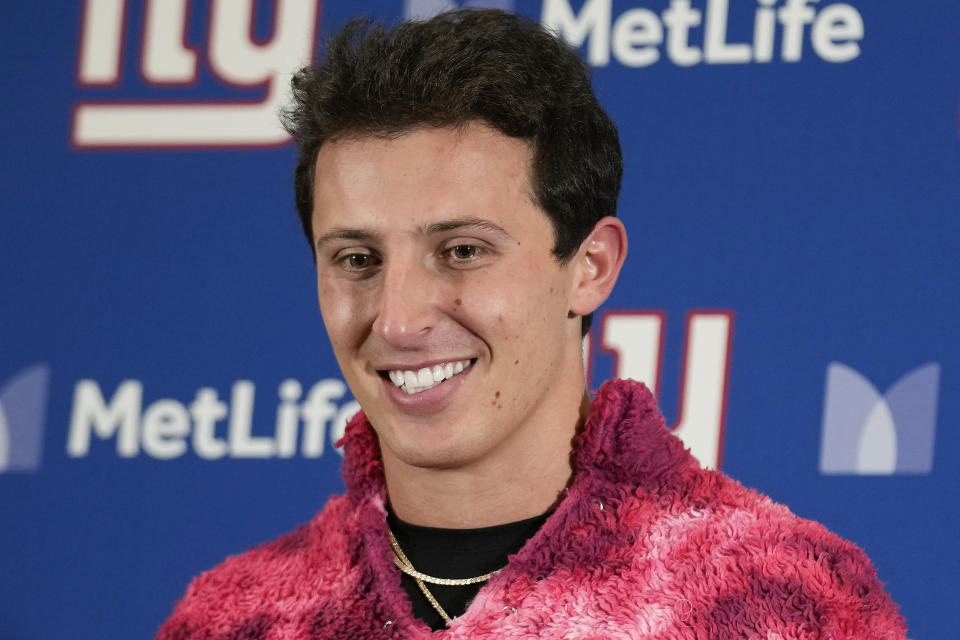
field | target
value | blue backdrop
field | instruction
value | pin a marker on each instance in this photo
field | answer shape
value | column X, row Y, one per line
column 167, row 392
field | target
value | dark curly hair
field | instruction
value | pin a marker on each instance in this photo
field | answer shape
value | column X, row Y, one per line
column 467, row 65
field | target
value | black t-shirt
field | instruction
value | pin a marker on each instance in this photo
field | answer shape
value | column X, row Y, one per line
column 456, row 553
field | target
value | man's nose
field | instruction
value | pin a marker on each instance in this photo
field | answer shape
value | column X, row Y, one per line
column 406, row 309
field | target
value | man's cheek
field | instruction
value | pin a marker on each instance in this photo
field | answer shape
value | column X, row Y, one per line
column 337, row 304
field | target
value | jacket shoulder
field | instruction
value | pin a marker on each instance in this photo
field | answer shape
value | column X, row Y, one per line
column 766, row 564
column 266, row 586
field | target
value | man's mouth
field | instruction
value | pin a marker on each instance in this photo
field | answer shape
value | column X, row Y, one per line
column 411, row 381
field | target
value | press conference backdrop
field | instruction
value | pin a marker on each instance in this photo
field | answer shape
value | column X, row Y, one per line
column 167, row 392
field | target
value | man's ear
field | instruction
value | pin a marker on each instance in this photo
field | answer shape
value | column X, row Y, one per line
column 597, row 265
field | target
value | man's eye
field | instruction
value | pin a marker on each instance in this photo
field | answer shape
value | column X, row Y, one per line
column 464, row 252
column 359, row 261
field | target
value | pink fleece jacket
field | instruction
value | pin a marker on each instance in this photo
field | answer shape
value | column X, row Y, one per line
column 645, row 545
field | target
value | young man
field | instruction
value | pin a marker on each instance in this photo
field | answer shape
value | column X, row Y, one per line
column 457, row 182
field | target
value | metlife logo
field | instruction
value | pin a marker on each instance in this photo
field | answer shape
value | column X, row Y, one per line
column 23, row 403
column 866, row 433
column 689, row 33
column 309, row 423
column 207, row 426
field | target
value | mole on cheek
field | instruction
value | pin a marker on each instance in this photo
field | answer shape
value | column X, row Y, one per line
column 497, row 395
column 457, row 302
column 516, row 362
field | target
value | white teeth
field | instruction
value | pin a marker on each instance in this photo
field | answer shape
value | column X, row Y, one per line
column 409, row 379
column 426, row 378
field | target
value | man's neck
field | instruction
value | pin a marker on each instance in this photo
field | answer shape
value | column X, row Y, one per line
column 491, row 492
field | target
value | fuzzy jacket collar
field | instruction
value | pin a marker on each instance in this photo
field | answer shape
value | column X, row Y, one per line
column 624, row 445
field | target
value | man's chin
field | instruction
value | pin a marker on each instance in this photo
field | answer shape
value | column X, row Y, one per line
column 422, row 455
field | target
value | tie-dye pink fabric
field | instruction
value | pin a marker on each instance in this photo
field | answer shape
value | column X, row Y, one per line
column 645, row 545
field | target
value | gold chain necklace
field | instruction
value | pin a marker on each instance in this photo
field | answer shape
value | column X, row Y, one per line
column 403, row 563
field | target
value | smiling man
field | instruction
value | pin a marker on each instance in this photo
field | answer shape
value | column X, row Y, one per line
column 455, row 325
column 457, row 182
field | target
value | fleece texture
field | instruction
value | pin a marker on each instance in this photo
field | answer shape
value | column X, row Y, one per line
column 644, row 545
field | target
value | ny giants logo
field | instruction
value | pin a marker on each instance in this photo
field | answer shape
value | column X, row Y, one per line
column 234, row 58
column 635, row 340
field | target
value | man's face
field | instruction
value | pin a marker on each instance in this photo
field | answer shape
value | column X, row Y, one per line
column 446, row 309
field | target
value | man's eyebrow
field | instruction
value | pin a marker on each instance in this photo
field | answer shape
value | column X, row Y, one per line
column 465, row 223
column 364, row 235
column 345, row 234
